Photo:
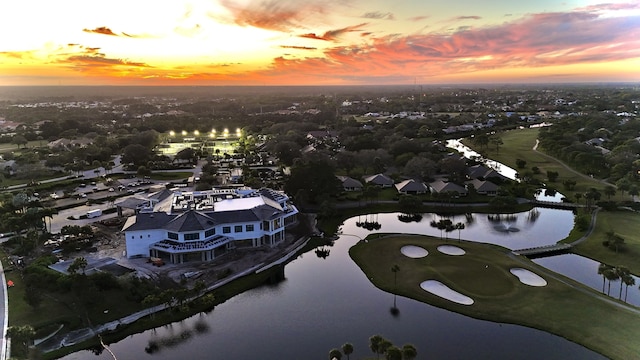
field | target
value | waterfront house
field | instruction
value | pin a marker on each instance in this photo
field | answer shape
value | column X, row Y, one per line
column 442, row 187
column 202, row 225
column 412, row 187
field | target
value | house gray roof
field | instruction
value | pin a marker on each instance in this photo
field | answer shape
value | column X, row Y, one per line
column 411, row 186
column 190, row 220
column 147, row 221
column 349, row 182
column 440, row 186
column 379, row 179
column 483, row 186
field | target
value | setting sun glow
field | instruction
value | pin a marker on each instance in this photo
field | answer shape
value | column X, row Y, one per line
column 289, row 42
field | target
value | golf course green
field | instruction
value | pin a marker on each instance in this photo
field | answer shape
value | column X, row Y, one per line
column 484, row 274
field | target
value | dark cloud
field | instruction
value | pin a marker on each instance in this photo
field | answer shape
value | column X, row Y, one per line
column 103, row 30
column 298, row 47
column 332, row 35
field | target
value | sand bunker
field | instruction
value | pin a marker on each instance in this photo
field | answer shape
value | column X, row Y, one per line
column 528, row 278
column 437, row 288
column 413, row 251
column 451, row 250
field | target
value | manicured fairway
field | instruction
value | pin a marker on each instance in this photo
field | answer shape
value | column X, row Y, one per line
column 483, row 273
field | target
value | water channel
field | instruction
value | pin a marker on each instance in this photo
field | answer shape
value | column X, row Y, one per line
column 325, row 302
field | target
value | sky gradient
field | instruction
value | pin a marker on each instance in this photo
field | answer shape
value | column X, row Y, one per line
column 313, row 42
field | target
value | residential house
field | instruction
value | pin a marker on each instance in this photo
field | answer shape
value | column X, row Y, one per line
column 484, row 173
column 380, row 180
column 412, row 187
column 350, row 184
column 443, row 187
column 484, row 187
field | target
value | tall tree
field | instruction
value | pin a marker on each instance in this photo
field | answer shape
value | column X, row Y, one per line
column 393, row 353
column 347, row 349
column 409, row 352
column 497, row 142
column 459, row 226
column 374, row 344
column 335, row 354
column 609, row 191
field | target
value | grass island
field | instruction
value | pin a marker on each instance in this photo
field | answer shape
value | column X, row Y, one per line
column 484, row 274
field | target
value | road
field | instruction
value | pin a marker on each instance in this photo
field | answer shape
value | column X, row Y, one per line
column 4, row 314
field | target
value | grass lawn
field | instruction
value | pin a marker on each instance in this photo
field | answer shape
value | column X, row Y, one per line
column 519, row 143
column 565, row 307
column 623, row 223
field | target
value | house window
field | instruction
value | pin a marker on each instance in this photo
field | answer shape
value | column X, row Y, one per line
column 210, row 232
column 172, row 235
column 226, row 229
column 249, row 227
column 237, row 228
column 192, row 236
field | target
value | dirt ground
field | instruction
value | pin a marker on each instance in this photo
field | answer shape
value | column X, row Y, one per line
column 110, row 242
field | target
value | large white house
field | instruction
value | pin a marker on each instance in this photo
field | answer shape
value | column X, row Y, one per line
column 200, row 226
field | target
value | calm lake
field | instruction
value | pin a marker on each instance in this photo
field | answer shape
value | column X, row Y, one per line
column 324, row 303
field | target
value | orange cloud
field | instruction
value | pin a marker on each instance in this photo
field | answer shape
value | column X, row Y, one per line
column 332, row 35
column 298, row 47
column 539, row 40
column 103, row 30
column 276, row 15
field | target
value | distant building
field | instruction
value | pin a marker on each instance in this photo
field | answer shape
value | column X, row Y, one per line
column 381, row 180
column 201, row 226
column 412, row 187
column 350, row 184
column 442, row 187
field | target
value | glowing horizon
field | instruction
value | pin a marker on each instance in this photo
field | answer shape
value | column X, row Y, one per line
column 288, row 42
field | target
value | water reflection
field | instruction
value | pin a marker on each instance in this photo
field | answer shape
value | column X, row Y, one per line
column 592, row 274
column 537, row 227
column 329, row 301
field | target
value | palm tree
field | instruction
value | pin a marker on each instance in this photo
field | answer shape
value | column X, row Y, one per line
column 394, row 269
column 611, row 275
column 459, row 226
column 628, row 281
column 609, row 191
column 409, row 352
column 578, row 197
column 393, row 353
column 601, row 271
column 383, row 346
column 374, row 343
column 335, row 354
column 621, row 272
column 347, row 349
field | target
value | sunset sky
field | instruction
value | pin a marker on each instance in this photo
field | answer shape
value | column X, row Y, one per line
column 313, row 42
